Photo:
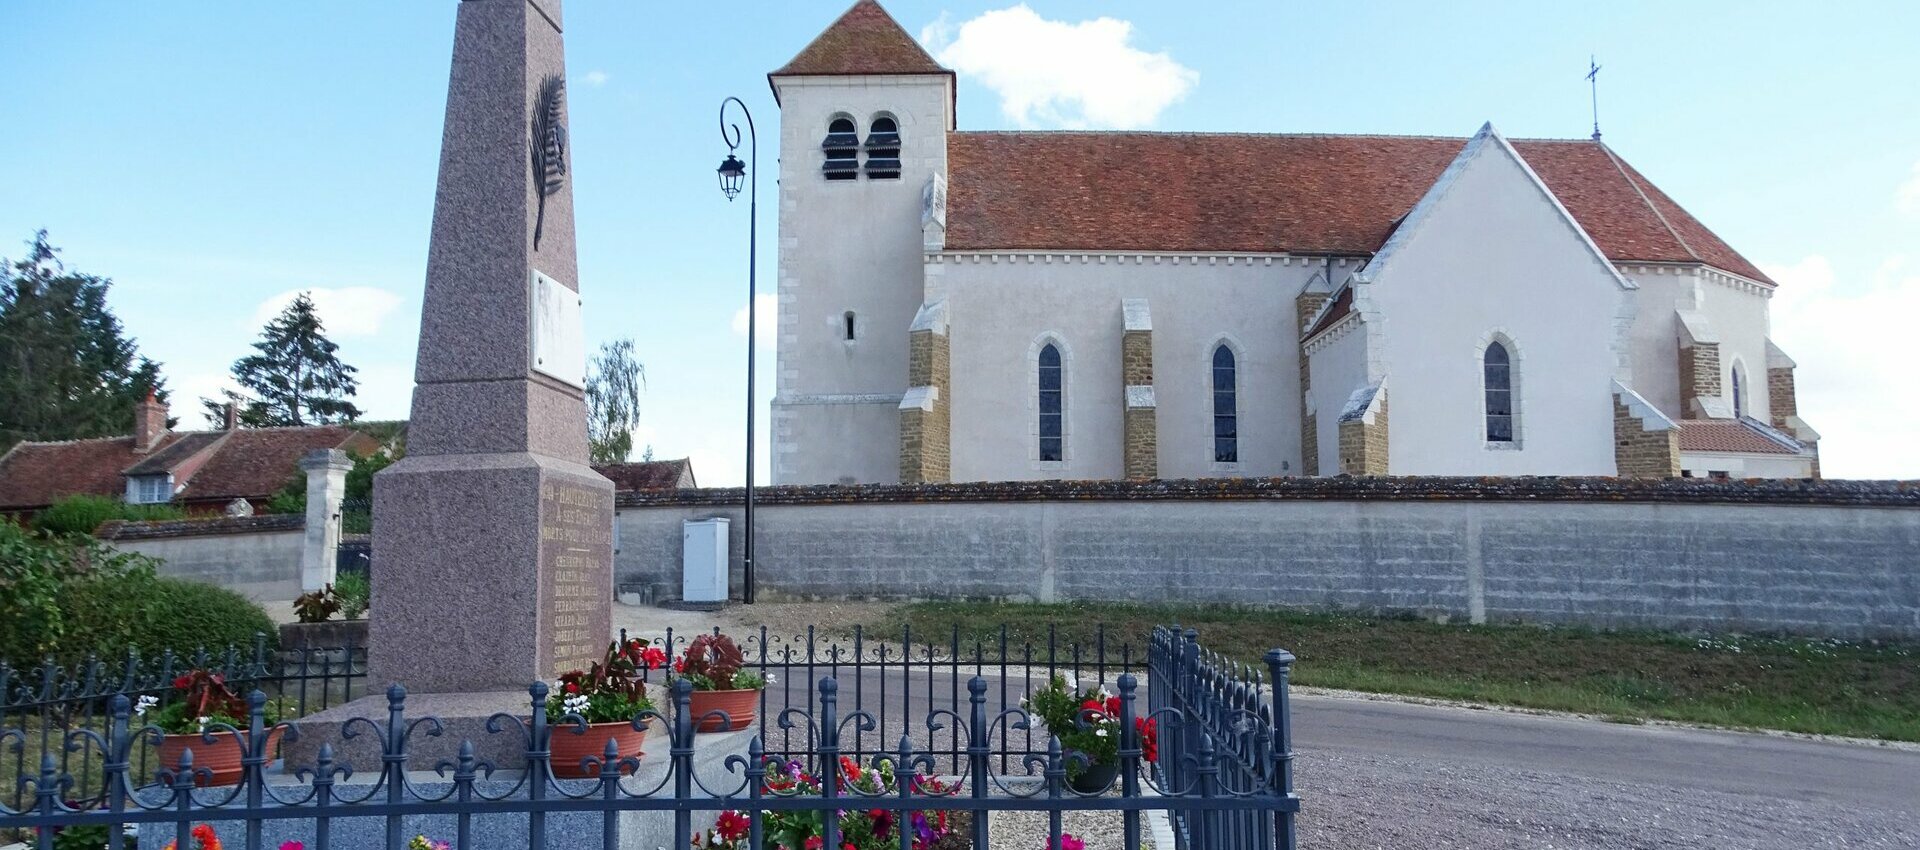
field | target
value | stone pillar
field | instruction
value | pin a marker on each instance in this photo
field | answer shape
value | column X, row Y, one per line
column 1140, row 426
column 1784, row 404
column 326, row 487
column 149, row 423
column 926, row 414
column 1646, row 444
column 1700, row 379
column 1363, row 432
column 493, row 531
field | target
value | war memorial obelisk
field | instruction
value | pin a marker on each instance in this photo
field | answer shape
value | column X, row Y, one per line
column 493, row 560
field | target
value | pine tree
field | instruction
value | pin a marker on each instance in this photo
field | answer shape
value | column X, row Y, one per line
column 295, row 378
column 67, row 369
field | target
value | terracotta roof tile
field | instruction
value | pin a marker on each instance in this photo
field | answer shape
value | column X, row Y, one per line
column 253, row 463
column 34, row 475
column 649, row 475
column 1273, row 193
column 182, row 447
column 1729, row 435
column 865, row 40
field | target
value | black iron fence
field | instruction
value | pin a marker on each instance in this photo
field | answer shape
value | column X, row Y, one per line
column 942, row 718
column 47, row 706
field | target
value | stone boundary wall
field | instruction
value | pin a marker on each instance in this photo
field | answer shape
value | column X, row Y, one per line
column 1836, row 558
column 258, row 556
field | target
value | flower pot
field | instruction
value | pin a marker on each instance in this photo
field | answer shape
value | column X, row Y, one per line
column 222, row 757
column 741, row 706
column 568, row 746
column 1095, row 778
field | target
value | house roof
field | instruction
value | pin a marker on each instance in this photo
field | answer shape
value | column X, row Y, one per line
column 649, row 475
column 1738, row 436
column 1275, row 193
column 252, row 463
column 866, row 40
column 34, row 475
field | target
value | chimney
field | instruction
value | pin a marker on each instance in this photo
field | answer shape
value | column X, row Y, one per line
column 149, row 423
column 233, row 416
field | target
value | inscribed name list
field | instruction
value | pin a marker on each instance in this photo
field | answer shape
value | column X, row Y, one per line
column 576, row 554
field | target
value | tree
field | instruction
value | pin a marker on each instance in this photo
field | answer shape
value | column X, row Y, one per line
column 295, row 378
column 67, row 369
column 615, row 380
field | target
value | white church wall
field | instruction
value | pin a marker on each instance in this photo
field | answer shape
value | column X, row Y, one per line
column 1495, row 259
column 1002, row 306
column 852, row 245
column 1337, row 367
column 1707, row 464
column 1737, row 313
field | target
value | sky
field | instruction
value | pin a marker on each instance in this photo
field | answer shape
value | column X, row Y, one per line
column 214, row 158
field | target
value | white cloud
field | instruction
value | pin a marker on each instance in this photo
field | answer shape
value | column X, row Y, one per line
column 595, row 78
column 764, row 319
column 348, row 311
column 1853, row 346
column 1907, row 197
column 1060, row 74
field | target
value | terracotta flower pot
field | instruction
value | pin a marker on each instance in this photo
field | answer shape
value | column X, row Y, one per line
column 222, row 757
column 741, row 706
column 568, row 748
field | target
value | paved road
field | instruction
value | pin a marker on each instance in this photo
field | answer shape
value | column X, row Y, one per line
column 1374, row 773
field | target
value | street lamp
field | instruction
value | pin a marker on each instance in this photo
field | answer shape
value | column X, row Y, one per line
column 732, row 171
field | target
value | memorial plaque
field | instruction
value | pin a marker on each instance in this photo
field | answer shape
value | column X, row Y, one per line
column 576, row 556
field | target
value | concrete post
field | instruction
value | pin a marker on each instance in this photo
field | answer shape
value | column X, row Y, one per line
column 326, row 487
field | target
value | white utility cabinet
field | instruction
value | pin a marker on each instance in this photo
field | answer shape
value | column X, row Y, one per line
column 704, row 560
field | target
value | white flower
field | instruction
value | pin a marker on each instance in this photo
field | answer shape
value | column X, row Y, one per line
column 146, row 702
column 204, row 720
column 1072, row 684
column 575, row 704
column 1101, row 731
column 770, row 679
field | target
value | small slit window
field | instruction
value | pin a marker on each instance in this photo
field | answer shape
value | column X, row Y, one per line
column 883, row 149
column 1226, row 409
column 1739, row 390
column 1499, row 393
column 846, row 326
column 843, row 149
column 1052, row 420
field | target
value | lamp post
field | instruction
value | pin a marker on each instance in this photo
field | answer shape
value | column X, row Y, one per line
column 731, row 171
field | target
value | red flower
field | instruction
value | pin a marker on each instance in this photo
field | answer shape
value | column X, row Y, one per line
column 1113, row 706
column 181, row 683
column 573, row 688
column 815, row 843
column 733, row 825
column 653, row 657
column 1149, row 737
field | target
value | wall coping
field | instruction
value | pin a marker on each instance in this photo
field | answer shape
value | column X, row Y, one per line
column 1894, row 494
column 266, row 524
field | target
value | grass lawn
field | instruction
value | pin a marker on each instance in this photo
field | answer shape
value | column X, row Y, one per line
column 1794, row 684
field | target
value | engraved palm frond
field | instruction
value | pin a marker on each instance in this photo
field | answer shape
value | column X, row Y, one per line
column 548, row 146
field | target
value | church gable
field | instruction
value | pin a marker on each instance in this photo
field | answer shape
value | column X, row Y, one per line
column 1489, row 276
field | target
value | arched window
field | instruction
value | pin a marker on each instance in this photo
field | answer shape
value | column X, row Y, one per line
column 1739, row 390
column 1052, row 418
column 883, row 148
column 843, row 149
column 847, row 325
column 1499, row 385
column 1226, row 419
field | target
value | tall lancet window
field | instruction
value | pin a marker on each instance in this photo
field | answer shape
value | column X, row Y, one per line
column 1052, row 419
column 1739, row 391
column 1499, row 386
column 1226, row 407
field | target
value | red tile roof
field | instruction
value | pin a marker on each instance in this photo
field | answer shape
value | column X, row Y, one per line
column 649, row 475
column 865, row 40
column 34, row 475
column 253, row 463
column 1272, row 193
column 250, row 463
column 1729, row 435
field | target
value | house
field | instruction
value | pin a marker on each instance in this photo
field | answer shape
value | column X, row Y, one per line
column 201, row 471
column 959, row 305
column 650, row 475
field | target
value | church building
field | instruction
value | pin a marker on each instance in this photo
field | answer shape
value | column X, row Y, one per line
column 961, row 305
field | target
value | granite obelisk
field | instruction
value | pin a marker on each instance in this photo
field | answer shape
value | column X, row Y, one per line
column 492, row 537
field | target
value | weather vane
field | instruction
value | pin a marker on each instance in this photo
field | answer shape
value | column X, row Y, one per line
column 1593, row 80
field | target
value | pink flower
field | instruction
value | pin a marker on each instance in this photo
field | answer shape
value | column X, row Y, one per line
column 292, row 845
column 1068, row 842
